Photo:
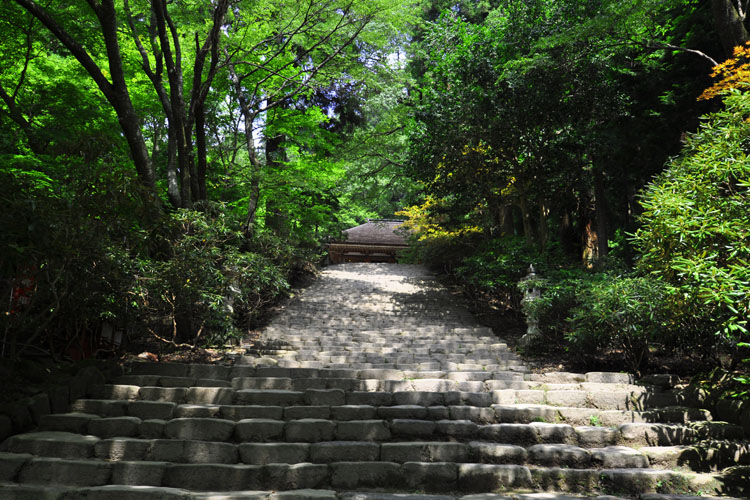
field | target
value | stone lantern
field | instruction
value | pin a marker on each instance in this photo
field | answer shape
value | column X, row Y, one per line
column 530, row 295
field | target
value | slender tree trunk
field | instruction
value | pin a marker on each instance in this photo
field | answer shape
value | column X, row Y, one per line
column 589, row 241
column 255, row 173
column 505, row 220
column 173, row 187
column 730, row 25
column 602, row 214
column 528, row 226
column 130, row 124
column 276, row 219
column 566, row 234
column 15, row 114
column 543, row 225
column 200, row 142
column 173, row 181
column 199, row 92
column 172, row 53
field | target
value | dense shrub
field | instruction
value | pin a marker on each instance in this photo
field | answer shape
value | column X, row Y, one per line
column 88, row 250
column 209, row 288
column 601, row 313
column 560, row 292
column 496, row 267
column 621, row 314
column 695, row 232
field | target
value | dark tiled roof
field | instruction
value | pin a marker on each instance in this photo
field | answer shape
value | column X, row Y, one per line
column 376, row 231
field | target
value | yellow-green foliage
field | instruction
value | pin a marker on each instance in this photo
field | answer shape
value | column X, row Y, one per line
column 426, row 222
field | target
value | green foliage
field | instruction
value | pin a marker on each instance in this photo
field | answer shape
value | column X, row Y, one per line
column 206, row 289
column 560, row 293
column 553, row 109
column 624, row 314
column 599, row 313
column 88, row 251
column 695, row 232
column 497, row 266
column 66, row 242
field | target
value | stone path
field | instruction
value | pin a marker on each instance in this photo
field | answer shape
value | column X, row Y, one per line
column 374, row 384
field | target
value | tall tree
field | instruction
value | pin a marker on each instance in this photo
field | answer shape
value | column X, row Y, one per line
column 288, row 58
column 166, row 53
column 495, row 128
column 182, row 114
column 114, row 86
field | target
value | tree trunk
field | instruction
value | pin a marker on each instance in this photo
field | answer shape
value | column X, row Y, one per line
column 503, row 215
column 248, row 118
column 15, row 114
column 200, row 142
column 590, row 244
column 173, row 181
column 602, row 214
column 729, row 25
column 543, row 225
column 178, row 123
column 196, row 111
column 528, row 227
column 130, row 124
column 276, row 219
column 115, row 91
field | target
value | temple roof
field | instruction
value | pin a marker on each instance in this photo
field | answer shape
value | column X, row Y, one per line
column 377, row 232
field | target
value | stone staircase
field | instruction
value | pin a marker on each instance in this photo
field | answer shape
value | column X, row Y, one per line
column 376, row 385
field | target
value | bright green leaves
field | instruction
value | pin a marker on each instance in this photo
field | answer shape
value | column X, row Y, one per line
column 696, row 223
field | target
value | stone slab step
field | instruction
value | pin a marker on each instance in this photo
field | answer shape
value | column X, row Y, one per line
column 193, row 451
column 341, row 475
column 300, row 379
column 641, row 431
column 215, row 440
column 526, row 413
column 149, row 419
column 600, row 397
column 12, row 491
column 288, row 391
column 260, row 369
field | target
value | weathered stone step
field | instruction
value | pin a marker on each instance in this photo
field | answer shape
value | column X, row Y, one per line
column 401, row 353
column 348, row 465
column 526, row 413
column 12, row 491
column 408, row 381
column 298, row 391
column 667, row 443
column 376, row 342
column 260, row 453
column 595, row 427
column 430, row 366
column 357, row 342
column 702, row 456
column 152, row 372
column 208, row 375
column 342, row 475
column 407, row 404
column 600, row 396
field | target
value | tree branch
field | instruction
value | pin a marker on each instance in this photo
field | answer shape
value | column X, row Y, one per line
column 742, row 10
column 75, row 48
column 668, row 46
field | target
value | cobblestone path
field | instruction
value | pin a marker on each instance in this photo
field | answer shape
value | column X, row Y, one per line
column 374, row 384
